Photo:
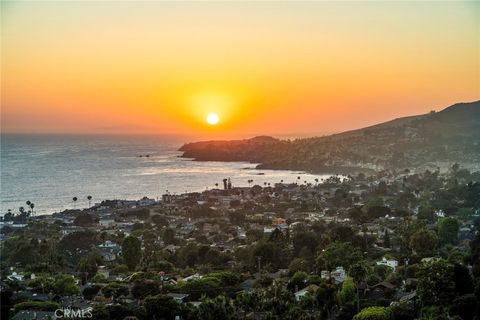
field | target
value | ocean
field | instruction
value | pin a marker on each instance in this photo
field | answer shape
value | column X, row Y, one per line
column 49, row 170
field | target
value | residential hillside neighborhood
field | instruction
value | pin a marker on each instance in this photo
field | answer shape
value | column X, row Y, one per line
column 390, row 245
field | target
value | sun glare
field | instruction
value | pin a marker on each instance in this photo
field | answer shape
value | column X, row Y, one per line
column 212, row 118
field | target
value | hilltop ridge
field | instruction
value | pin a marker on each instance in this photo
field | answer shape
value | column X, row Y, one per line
column 436, row 139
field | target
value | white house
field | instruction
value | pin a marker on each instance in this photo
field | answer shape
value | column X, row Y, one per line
column 392, row 263
column 195, row 276
column 299, row 295
column 339, row 275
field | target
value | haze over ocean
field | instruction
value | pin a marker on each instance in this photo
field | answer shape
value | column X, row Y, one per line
column 50, row 170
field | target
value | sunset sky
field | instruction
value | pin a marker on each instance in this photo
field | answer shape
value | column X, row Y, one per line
column 262, row 67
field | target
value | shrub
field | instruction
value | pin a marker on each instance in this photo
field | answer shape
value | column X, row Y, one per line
column 374, row 313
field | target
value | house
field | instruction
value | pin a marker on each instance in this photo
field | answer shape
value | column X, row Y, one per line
column 34, row 315
column 466, row 234
column 281, row 273
column 392, row 263
column 195, row 276
column 107, row 222
column 440, row 213
column 146, row 202
column 267, row 231
column 381, row 290
column 171, row 248
column 279, row 223
column 325, row 274
column 178, row 297
column 32, row 296
column 16, row 277
column 409, row 296
column 109, row 251
column 299, row 295
column 339, row 275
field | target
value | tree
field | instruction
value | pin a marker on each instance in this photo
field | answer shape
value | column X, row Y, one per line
column 374, row 313
column 254, row 235
column 43, row 284
column 298, row 264
column 358, row 272
column 19, row 250
column 464, row 306
column 74, row 201
column 75, row 245
column 159, row 220
column 268, row 252
column 115, row 289
column 88, row 265
column 298, row 281
column 89, row 198
column 386, row 239
column 91, row 291
column 423, row 242
column 247, row 301
column 277, row 236
column 210, row 287
column 338, row 254
column 162, row 307
column 168, row 236
column 406, row 229
column 463, row 280
column 145, row 287
column 84, row 220
column 347, row 292
column 65, row 285
column 213, row 309
column 304, row 240
column 448, row 230
column 426, row 212
column 131, row 251
column 325, row 299
column 226, row 278
column 436, row 284
column 188, row 255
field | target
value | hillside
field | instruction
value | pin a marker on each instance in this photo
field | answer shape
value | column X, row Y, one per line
column 437, row 139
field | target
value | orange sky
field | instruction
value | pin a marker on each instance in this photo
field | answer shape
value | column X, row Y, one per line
column 268, row 67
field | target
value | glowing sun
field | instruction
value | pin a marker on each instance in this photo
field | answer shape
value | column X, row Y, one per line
column 212, row 118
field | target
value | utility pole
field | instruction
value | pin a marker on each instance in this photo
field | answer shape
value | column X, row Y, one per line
column 259, row 259
column 162, row 275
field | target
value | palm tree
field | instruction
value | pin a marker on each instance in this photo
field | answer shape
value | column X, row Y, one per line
column 89, row 201
column 74, row 201
column 358, row 272
column 8, row 214
column 32, row 205
column 216, row 185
